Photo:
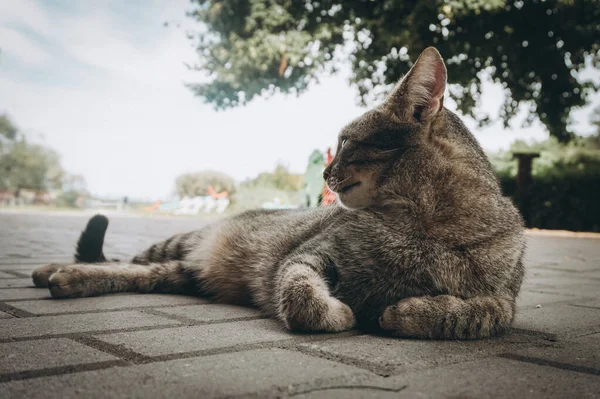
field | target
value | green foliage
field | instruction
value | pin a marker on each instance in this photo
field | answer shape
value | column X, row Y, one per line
column 565, row 191
column 24, row 165
column 67, row 199
column 535, row 48
column 197, row 183
column 7, row 129
column 280, row 179
column 581, row 156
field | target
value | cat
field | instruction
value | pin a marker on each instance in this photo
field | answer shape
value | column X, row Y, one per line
column 422, row 243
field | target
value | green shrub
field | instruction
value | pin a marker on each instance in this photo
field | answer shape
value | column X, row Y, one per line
column 565, row 192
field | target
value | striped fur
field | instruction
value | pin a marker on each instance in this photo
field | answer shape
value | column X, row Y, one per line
column 422, row 243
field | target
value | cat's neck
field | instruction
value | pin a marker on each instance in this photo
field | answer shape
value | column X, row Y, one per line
column 452, row 197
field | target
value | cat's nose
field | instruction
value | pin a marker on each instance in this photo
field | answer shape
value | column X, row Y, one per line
column 326, row 173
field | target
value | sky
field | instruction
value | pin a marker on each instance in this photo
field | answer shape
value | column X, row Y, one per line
column 103, row 83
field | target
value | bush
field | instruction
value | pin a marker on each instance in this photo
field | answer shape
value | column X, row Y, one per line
column 565, row 192
column 280, row 179
column 196, row 184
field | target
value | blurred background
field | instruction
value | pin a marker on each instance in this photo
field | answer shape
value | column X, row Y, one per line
column 211, row 107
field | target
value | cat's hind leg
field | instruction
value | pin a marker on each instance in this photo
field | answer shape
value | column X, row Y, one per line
column 305, row 303
column 448, row 317
column 88, row 250
column 40, row 275
column 82, row 280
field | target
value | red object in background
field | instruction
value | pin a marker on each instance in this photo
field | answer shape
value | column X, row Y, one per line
column 215, row 195
column 328, row 196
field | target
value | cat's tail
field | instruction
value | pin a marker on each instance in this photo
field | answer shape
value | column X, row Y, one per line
column 91, row 241
column 448, row 317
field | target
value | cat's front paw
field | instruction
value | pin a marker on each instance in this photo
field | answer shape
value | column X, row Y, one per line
column 339, row 317
column 40, row 275
column 402, row 318
column 67, row 282
column 313, row 310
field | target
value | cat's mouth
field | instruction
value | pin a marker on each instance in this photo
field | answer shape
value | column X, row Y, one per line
column 349, row 187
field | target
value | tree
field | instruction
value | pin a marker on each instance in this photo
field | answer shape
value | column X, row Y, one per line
column 196, row 184
column 30, row 166
column 281, row 179
column 24, row 165
column 534, row 48
column 8, row 130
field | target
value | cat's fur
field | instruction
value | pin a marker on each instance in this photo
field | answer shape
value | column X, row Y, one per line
column 423, row 244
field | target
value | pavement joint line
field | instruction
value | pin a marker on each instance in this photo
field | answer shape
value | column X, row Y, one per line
column 92, row 332
column 16, row 274
column 119, row 351
column 148, row 309
column 380, row 370
column 540, row 334
column 346, row 381
column 588, row 333
column 568, row 271
column 584, row 306
column 4, row 307
column 54, row 371
column 128, row 357
column 542, row 289
column 188, row 321
column 363, row 387
column 285, row 343
column 27, row 263
column 173, row 305
column 550, row 363
column 315, row 337
column 23, row 299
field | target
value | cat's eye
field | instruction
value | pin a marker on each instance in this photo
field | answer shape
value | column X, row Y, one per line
column 343, row 142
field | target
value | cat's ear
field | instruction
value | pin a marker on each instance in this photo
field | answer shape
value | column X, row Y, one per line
column 420, row 94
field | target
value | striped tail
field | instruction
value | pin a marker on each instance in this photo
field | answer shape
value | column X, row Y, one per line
column 91, row 241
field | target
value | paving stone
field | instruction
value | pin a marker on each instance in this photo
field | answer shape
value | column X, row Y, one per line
column 572, row 254
column 498, row 378
column 561, row 273
column 387, row 356
column 199, row 338
column 529, row 299
column 47, row 353
column 107, row 302
column 24, row 293
column 204, row 377
column 66, row 324
column 16, row 282
column 564, row 320
column 212, row 312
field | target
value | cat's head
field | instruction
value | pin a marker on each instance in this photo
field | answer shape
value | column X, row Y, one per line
column 382, row 153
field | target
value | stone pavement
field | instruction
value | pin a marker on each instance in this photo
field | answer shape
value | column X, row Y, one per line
column 128, row 346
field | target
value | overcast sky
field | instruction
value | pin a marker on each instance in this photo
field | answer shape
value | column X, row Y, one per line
column 102, row 82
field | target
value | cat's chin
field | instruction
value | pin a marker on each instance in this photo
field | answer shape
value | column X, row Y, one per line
column 352, row 201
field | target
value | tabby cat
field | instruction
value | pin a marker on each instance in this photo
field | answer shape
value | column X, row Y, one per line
column 422, row 243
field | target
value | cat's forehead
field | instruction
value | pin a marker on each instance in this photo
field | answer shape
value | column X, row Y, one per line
column 371, row 123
